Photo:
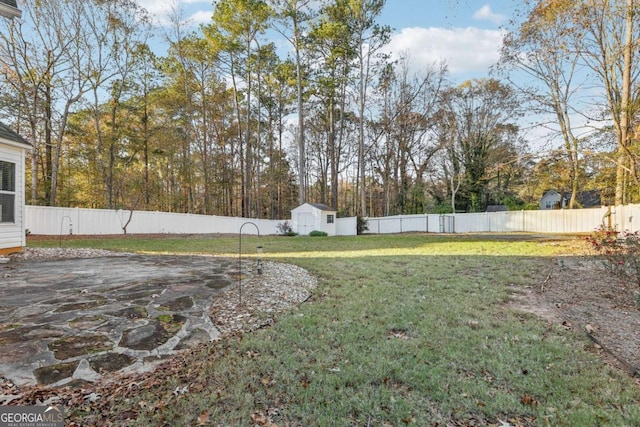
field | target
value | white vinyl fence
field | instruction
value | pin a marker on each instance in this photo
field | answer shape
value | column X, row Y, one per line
column 625, row 217
column 57, row 221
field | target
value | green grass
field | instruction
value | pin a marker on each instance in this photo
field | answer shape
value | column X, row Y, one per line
column 402, row 330
column 305, row 247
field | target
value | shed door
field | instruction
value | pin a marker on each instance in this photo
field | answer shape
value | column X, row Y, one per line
column 305, row 223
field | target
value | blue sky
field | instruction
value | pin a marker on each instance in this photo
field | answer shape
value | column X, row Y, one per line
column 464, row 33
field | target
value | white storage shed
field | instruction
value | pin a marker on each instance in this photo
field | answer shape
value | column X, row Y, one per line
column 310, row 217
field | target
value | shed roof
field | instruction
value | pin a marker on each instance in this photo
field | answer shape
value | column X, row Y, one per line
column 317, row 206
column 9, row 9
column 321, row 206
column 8, row 135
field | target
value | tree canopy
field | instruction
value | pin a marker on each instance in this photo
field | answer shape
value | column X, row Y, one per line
column 229, row 121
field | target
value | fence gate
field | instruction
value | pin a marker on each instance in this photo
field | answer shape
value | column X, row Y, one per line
column 447, row 223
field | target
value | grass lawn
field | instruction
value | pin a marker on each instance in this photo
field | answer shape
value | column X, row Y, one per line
column 402, row 330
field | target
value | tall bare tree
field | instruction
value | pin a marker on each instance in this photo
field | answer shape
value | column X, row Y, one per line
column 237, row 24
column 484, row 113
column 295, row 15
column 369, row 38
column 404, row 141
column 52, row 54
column 539, row 48
column 610, row 39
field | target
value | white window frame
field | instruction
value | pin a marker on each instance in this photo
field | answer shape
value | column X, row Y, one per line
column 8, row 191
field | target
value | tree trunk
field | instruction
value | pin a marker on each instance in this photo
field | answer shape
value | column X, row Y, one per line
column 302, row 197
column 625, row 106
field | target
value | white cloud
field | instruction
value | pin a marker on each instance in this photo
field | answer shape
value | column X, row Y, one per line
column 486, row 14
column 161, row 10
column 156, row 8
column 201, row 17
column 465, row 50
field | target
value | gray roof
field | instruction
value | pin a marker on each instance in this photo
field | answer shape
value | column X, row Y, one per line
column 7, row 134
column 497, row 208
column 9, row 9
column 321, row 206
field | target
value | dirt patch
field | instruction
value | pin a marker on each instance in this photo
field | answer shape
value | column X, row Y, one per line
column 74, row 346
column 578, row 294
column 51, row 374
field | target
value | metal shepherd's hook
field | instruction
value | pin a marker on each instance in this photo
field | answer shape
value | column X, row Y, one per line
column 61, row 226
column 240, row 259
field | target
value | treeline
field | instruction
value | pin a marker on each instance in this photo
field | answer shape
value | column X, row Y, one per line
column 279, row 102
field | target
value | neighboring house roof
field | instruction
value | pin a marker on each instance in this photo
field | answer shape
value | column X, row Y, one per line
column 589, row 199
column 550, row 193
column 497, row 208
column 6, row 134
column 9, row 9
column 585, row 199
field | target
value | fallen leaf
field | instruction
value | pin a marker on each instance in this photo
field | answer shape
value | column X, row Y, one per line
column 203, row 418
column 525, row 399
column 267, row 381
column 160, row 404
column 589, row 328
column 409, row 420
column 262, row 420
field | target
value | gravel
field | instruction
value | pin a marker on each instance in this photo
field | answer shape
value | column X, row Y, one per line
column 60, row 253
column 255, row 303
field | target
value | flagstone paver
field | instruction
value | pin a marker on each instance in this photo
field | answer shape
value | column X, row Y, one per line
column 66, row 320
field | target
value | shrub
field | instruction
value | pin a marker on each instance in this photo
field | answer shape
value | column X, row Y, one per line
column 362, row 225
column 316, row 233
column 618, row 252
column 285, row 229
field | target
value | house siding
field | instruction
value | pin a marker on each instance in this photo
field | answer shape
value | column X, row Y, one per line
column 550, row 199
column 12, row 235
column 9, row 9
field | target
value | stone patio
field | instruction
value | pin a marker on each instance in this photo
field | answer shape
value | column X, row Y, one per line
column 66, row 321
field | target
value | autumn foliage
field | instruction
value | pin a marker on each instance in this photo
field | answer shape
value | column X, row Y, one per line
column 617, row 251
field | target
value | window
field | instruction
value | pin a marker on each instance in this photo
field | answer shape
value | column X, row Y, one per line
column 7, row 191
column 329, row 219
